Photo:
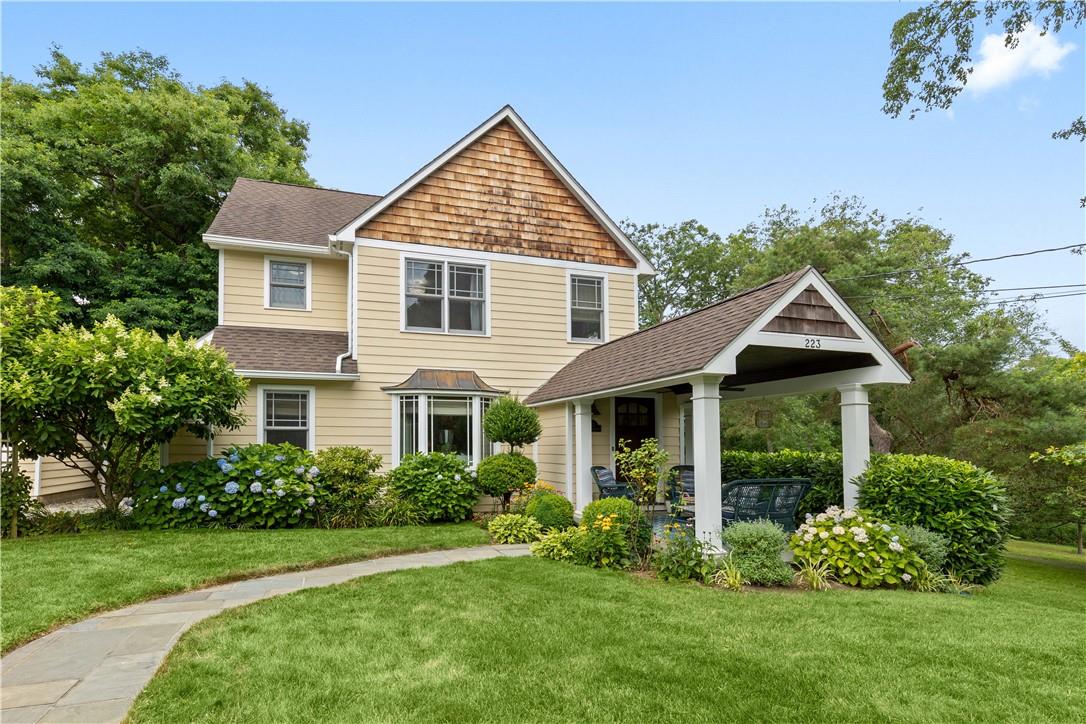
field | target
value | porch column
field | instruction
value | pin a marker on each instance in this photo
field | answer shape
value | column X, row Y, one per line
column 855, row 438
column 582, row 433
column 706, row 414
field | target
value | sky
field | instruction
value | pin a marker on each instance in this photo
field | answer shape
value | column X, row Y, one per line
column 664, row 112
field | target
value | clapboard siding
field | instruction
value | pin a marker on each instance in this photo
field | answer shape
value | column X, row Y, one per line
column 497, row 195
column 243, row 303
column 57, row 479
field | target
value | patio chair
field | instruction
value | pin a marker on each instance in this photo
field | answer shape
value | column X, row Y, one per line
column 607, row 486
column 681, row 493
column 774, row 499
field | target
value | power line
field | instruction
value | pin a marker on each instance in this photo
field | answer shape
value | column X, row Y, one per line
column 986, row 291
column 1035, row 298
column 961, row 263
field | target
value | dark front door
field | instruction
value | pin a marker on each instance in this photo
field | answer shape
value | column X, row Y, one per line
column 635, row 421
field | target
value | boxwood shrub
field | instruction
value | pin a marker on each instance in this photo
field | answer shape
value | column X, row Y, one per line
column 438, row 485
column 956, row 499
column 256, row 486
column 553, row 511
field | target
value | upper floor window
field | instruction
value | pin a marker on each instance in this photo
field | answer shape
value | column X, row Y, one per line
column 287, row 284
column 444, row 296
column 586, row 300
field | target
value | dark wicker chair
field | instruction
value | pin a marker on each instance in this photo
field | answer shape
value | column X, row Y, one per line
column 774, row 499
column 607, row 486
column 682, row 490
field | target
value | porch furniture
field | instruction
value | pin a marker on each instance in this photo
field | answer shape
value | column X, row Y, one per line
column 608, row 487
column 774, row 499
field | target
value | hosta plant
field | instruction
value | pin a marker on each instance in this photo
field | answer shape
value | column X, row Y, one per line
column 514, row 528
column 858, row 550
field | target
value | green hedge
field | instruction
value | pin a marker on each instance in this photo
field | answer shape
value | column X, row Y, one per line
column 822, row 469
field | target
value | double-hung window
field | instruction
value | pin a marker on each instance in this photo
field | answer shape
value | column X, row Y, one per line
column 444, row 296
column 286, row 415
column 586, row 300
column 287, row 284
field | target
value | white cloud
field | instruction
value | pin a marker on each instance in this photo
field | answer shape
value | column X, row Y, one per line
column 999, row 65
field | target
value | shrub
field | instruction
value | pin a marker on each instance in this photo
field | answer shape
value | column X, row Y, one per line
column 560, row 545
column 512, row 422
column 389, row 510
column 642, row 467
column 682, row 557
column 501, row 475
column 259, row 486
column 756, row 549
column 931, row 547
column 962, row 502
column 860, row 551
column 638, row 530
column 552, row 511
column 513, row 528
column 822, row 469
column 352, row 483
column 16, row 504
column 519, row 502
column 439, row 485
column 605, row 542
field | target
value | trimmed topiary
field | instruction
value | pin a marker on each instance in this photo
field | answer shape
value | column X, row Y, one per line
column 956, row 499
column 552, row 511
column 512, row 422
column 501, row 475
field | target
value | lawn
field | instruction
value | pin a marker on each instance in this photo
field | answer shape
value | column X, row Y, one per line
column 49, row 580
column 533, row 640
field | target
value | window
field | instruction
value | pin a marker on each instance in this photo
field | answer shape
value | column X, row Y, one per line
column 286, row 416
column 288, row 284
column 444, row 296
column 586, row 300
column 409, row 425
column 442, row 423
column 451, row 426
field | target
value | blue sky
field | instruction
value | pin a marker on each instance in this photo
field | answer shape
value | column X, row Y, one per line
column 663, row 112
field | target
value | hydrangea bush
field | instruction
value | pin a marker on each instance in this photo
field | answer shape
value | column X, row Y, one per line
column 439, row 485
column 257, row 486
column 859, row 551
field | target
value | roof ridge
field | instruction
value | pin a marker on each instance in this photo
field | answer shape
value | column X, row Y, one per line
column 303, row 186
column 737, row 295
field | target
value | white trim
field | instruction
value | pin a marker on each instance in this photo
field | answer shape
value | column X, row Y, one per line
column 205, row 339
column 311, row 436
column 450, row 252
column 397, row 452
column 605, row 298
column 268, row 259
column 444, row 261
column 222, row 278
column 569, row 450
column 286, row 375
column 216, row 241
column 814, row 383
column 211, row 443
column 36, row 490
column 623, row 390
column 686, row 410
column 507, row 113
column 422, row 410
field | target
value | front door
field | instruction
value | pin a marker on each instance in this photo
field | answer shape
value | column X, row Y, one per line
column 635, row 421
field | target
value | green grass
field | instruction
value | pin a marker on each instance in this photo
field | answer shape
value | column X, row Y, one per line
column 534, row 640
column 1042, row 552
column 50, row 580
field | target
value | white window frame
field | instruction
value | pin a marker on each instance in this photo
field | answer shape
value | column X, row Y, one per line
column 445, row 261
column 422, row 410
column 308, row 282
column 311, row 437
column 604, row 298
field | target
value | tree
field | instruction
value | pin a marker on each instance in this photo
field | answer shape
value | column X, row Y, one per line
column 110, row 174
column 103, row 400
column 511, row 422
column 1066, row 499
column 933, row 50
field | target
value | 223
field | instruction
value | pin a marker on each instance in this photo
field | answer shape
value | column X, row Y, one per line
column 812, row 343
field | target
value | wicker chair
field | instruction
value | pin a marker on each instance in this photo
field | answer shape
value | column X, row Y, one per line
column 607, row 486
column 774, row 499
column 681, row 492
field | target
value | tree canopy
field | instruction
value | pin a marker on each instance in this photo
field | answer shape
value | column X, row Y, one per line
column 109, row 175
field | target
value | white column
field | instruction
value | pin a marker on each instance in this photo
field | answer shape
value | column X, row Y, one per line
column 855, row 438
column 706, row 414
column 582, row 433
column 570, row 487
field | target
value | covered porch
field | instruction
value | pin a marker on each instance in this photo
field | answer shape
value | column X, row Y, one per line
column 793, row 335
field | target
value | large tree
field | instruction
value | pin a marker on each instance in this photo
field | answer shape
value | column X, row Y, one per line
column 110, row 174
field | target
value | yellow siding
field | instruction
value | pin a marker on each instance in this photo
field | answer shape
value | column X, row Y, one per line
column 551, row 448
column 669, row 429
column 56, row 478
column 243, row 303
column 186, row 447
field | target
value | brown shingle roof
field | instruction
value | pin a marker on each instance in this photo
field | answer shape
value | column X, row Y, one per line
column 283, row 350
column 683, row 344
column 287, row 213
column 445, row 380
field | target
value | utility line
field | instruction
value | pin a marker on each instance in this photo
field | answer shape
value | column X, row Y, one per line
column 961, row 263
column 986, row 291
column 1035, row 298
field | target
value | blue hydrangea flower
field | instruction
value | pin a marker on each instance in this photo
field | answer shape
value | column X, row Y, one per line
column 179, row 488
column 231, row 487
column 310, row 501
column 280, row 458
column 297, row 511
column 280, row 492
column 886, row 527
column 234, row 457
column 179, row 503
column 299, row 470
column 200, row 498
column 225, row 466
column 162, row 489
column 255, row 488
column 314, row 471
column 204, row 507
column 213, row 513
column 258, row 472
column 279, row 482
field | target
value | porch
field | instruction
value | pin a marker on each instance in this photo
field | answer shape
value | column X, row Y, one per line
column 793, row 335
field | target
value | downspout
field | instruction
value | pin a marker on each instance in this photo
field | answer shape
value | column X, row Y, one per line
column 350, row 301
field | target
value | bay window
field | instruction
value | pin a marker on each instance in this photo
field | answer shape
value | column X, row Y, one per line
column 444, row 296
column 441, row 423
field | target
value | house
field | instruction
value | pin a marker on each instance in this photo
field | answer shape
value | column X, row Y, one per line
column 391, row 322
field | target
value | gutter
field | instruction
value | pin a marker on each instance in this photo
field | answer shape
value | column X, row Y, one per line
column 350, row 301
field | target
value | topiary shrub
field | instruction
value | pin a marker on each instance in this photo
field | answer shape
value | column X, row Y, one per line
column 931, row 547
column 438, row 485
column 510, row 421
column 858, row 550
column 350, row 477
column 257, row 486
column 552, row 511
column 560, row 545
column 501, row 475
column 519, row 502
column 755, row 548
column 513, row 528
column 956, row 499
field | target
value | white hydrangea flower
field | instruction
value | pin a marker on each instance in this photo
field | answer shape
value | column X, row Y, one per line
column 825, row 551
column 823, row 535
column 838, row 530
column 861, row 554
column 848, row 514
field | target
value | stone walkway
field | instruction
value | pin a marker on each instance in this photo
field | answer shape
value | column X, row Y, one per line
column 92, row 671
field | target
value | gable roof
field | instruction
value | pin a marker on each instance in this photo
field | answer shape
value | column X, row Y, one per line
column 686, row 343
column 505, row 115
column 286, row 213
